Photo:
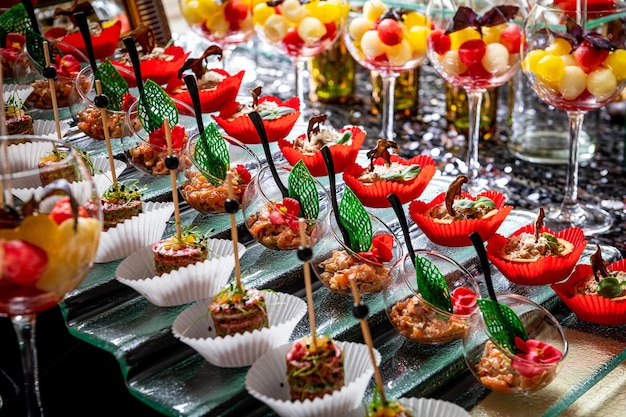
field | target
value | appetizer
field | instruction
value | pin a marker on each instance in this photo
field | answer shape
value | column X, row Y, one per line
column 18, row 122
column 119, row 203
column 238, row 310
column 175, row 252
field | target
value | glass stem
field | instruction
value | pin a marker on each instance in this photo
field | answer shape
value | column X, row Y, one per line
column 227, row 54
column 474, row 101
column 299, row 68
column 570, row 198
column 389, row 98
column 25, row 329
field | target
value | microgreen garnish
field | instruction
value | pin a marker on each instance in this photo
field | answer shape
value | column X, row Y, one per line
column 276, row 113
column 465, row 17
column 124, row 193
column 302, row 188
column 211, row 155
column 14, row 107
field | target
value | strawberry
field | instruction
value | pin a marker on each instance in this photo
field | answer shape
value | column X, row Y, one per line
column 472, row 52
column 390, row 32
column 23, row 262
column 589, row 57
column 439, row 42
column 62, row 211
column 511, row 38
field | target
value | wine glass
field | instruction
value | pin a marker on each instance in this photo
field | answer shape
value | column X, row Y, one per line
column 574, row 61
column 49, row 236
column 389, row 40
column 476, row 46
column 226, row 23
column 300, row 30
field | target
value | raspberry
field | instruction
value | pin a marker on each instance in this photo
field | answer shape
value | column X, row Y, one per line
column 439, row 42
column 471, row 52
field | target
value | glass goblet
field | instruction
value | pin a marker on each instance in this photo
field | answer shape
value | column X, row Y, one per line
column 227, row 23
column 476, row 46
column 389, row 40
column 300, row 30
column 574, row 61
column 49, row 246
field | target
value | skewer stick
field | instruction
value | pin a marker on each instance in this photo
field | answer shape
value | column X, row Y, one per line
column 53, row 93
column 307, row 285
column 3, row 129
column 367, row 336
column 173, row 172
column 107, row 135
column 233, row 230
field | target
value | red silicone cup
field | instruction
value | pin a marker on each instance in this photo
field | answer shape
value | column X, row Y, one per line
column 375, row 195
column 545, row 270
column 592, row 308
column 343, row 155
column 457, row 233
column 214, row 100
column 157, row 70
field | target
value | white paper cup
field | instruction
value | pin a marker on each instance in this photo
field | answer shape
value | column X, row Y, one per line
column 48, row 128
column 135, row 233
column 192, row 326
column 267, row 381
column 185, row 285
column 430, row 407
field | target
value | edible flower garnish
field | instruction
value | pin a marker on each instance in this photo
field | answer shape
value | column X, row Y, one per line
column 286, row 213
column 534, row 354
column 463, row 300
column 381, row 250
column 157, row 137
column 243, row 175
column 66, row 65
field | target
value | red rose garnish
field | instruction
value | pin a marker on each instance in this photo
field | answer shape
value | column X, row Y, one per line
column 537, row 353
column 381, row 250
column 157, row 137
column 463, row 300
column 127, row 101
column 243, row 175
column 67, row 65
column 286, row 213
column 15, row 41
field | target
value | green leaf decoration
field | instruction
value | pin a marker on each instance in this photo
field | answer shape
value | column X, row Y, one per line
column 609, row 287
column 406, row 174
column 114, row 86
column 154, row 106
column 502, row 323
column 481, row 200
column 14, row 20
column 276, row 113
column 432, row 284
column 211, row 155
column 302, row 188
column 356, row 221
column 34, row 44
column 345, row 137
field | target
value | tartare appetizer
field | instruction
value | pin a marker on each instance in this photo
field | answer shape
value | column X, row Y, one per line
column 176, row 252
column 238, row 310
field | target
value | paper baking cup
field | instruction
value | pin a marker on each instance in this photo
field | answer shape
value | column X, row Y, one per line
column 192, row 326
column 185, row 285
column 375, row 195
column 48, row 128
column 243, row 129
column 267, row 381
column 457, row 233
column 134, row 233
column 545, row 270
column 592, row 308
column 21, row 90
column 343, row 155
column 430, row 407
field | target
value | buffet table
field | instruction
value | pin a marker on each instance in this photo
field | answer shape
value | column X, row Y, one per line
column 174, row 380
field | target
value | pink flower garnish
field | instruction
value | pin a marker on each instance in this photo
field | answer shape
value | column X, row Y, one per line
column 244, row 176
column 67, row 65
column 534, row 354
column 157, row 137
column 381, row 250
column 286, row 213
column 463, row 300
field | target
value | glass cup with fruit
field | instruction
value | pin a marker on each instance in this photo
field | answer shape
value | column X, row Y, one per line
column 300, row 30
column 227, row 23
column 476, row 46
column 389, row 40
column 48, row 236
column 575, row 60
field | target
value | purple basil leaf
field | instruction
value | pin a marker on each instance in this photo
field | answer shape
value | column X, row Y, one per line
column 498, row 15
column 598, row 42
column 574, row 29
column 463, row 18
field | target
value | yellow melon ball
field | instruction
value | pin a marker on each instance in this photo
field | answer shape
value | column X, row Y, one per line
column 531, row 59
column 399, row 54
column 461, row 36
column 417, row 39
column 491, row 34
column 260, row 13
column 451, row 64
column 191, row 12
column 559, row 46
column 372, row 9
column 311, row 30
column 569, row 60
column 326, row 12
column 358, row 27
column 293, row 11
column 412, row 19
column 217, row 23
column 573, row 83
column 602, row 84
column 617, row 62
column 550, row 70
column 275, row 28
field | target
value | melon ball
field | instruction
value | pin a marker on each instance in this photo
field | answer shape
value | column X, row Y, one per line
column 275, row 28
column 373, row 9
column 261, row 12
column 559, row 47
column 417, row 39
column 531, row 60
column 400, row 54
column 358, row 27
column 193, row 13
column 293, row 11
column 573, row 83
column 491, row 34
column 451, row 64
column 459, row 37
column 550, row 70
column 371, row 44
column 311, row 30
column 602, row 84
column 569, row 60
column 496, row 59
column 617, row 62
